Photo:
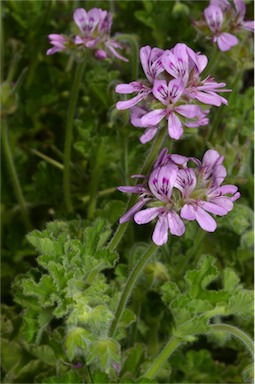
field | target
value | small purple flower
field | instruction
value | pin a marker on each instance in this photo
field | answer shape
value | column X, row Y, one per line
column 58, row 42
column 173, row 92
column 151, row 62
column 174, row 192
column 95, row 27
column 214, row 19
column 224, row 21
column 169, row 94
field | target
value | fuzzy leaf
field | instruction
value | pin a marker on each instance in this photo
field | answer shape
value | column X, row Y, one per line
column 104, row 352
column 77, row 341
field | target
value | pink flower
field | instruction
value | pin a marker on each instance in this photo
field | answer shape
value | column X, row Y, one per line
column 224, row 22
column 214, row 19
column 169, row 94
column 182, row 62
column 174, row 80
column 58, row 42
column 151, row 62
column 174, row 192
column 95, row 27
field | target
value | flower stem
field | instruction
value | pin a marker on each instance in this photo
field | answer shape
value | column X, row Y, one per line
column 14, row 176
column 221, row 110
column 132, row 279
column 144, row 171
column 69, row 133
column 246, row 340
column 160, row 360
column 135, row 52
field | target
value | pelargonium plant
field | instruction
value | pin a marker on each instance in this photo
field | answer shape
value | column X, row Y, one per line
column 174, row 192
column 174, row 93
column 77, row 323
column 223, row 21
column 95, row 28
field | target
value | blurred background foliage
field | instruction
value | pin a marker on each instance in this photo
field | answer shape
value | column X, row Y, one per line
column 106, row 151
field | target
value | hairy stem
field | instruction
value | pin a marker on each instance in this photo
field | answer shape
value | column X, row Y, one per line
column 69, row 133
column 132, row 279
column 160, row 360
column 135, row 52
column 13, row 175
column 221, row 110
column 246, row 340
column 152, row 155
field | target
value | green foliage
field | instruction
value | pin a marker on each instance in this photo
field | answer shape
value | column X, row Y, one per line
column 66, row 284
column 70, row 285
column 194, row 306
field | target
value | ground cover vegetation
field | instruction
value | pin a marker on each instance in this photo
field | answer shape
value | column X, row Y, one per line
column 107, row 278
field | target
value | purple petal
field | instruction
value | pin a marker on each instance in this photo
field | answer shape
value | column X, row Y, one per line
column 162, row 180
column 188, row 212
column 176, row 62
column 228, row 189
column 148, row 135
column 131, row 189
column 176, row 225
column 186, row 181
column 116, row 54
column 214, row 17
column 160, row 234
column 213, row 207
column 144, row 58
column 153, row 117
column 236, row 196
column 206, row 222
column 53, row 50
column 175, row 90
column 223, row 202
column 129, row 214
column 202, row 62
column 241, row 8
column 211, row 157
column 175, row 128
column 160, row 91
column 179, row 159
column 81, row 19
column 146, row 215
column 226, row 41
column 128, row 88
column 120, row 105
column 249, row 25
column 78, row 40
column 189, row 110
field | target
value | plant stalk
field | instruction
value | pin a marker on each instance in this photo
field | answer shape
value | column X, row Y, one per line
column 246, row 340
column 14, row 176
column 160, row 360
column 132, row 279
column 144, row 171
column 69, row 133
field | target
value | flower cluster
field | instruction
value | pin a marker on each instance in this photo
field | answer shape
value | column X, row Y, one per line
column 174, row 92
column 95, row 27
column 222, row 21
column 176, row 191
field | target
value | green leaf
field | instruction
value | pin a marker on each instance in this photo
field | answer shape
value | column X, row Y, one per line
column 241, row 304
column 201, row 277
column 45, row 353
column 230, row 280
column 105, row 352
column 70, row 377
column 239, row 220
column 77, row 341
column 132, row 358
